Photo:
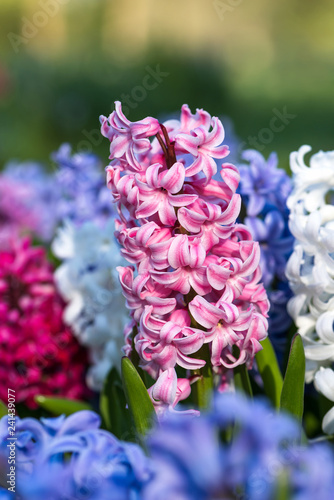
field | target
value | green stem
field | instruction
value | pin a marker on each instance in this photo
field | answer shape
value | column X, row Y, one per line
column 202, row 389
column 241, row 380
column 241, row 377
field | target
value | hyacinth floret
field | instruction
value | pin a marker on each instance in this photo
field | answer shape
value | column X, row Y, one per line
column 193, row 288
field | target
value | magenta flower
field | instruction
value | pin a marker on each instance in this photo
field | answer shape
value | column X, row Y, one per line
column 194, row 288
column 39, row 354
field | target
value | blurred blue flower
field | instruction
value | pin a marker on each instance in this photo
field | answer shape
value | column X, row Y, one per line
column 264, row 189
column 263, row 183
column 6, row 495
column 276, row 243
column 38, row 201
column 191, row 464
column 81, row 182
column 40, row 196
column 71, row 458
column 189, row 458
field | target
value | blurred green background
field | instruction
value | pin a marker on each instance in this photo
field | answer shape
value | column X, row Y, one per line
column 64, row 62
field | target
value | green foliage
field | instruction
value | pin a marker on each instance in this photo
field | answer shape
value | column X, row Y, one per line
column 3, row 409
column 292, row 397
column 61, row 406
column 116, row 417
column 270, row 372
column 139, row 403
column 241, row 380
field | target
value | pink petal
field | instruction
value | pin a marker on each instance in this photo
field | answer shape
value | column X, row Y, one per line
column 179, row 254
column 197, row 253
column 162, row 306
column 217, row 276
column 152, row 175
column 182, row 200
column 190, row 219
column 204, row 313
column 173, row 179
column 189, row 363
column 165, row 387
column 187, row 143
column 166, row 212
column 198, row 281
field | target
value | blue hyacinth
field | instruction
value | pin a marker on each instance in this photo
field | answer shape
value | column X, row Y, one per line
column 41, row 197
column 80, row 180
column 191, row 464
column 71, row 458
column 187, row 458
column 264, row 189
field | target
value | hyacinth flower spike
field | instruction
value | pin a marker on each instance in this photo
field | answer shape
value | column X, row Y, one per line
column 193, row 284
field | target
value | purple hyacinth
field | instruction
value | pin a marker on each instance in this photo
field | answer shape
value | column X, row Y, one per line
column 80, row 179
column 264, row 189
column 188, row 458
column 71, row 458
column 263, row 183
column 191, row 464
column 28, row 201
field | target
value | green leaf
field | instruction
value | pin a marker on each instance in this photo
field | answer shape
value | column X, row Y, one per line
column 292, row 397
column 116, row 417
column 202, row 389
column 270, row 372
column 241, row 380
column 139, row 402
column 61, row 406
column 3, row 409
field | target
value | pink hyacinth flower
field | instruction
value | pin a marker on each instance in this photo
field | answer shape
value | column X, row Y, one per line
column 194, row 286
column 204, row 146
column 159, row 193
column 168, row 391
column 127, row 138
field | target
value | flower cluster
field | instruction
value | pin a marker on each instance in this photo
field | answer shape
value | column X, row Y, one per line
column 310, row 269
column 193, row 288
column 188, row 458
column 265, row 188
column 27, row 202
column 72, row 458
column 191, row 464
column 88, row 281
column 83, row 195
column 38, row 353
column 36, row 202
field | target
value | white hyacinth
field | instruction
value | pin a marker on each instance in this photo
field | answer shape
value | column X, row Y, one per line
column 310, row 269
column 324, row 383
column 88, row 282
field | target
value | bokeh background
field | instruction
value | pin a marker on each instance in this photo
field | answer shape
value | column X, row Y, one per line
column 64, row 62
